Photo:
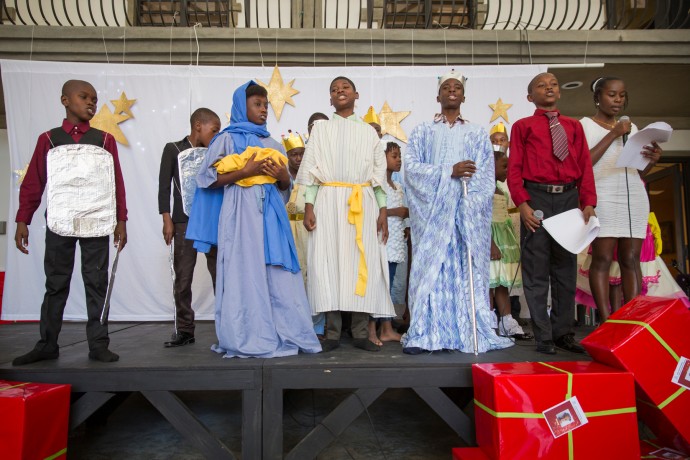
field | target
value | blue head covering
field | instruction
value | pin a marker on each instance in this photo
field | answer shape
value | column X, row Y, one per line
column 244, row 133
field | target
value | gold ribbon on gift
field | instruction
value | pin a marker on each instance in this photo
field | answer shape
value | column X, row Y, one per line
column 14, row 386
column 355, row 216
column 57, row 454
column 666, row 346
column 539, row 415
column 235, row 162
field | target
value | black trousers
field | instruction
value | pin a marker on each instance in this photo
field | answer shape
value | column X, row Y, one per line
column 184, row 263
column 59, row 264
column 545, row 262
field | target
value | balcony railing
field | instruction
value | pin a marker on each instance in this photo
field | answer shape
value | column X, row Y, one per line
column 355, row 14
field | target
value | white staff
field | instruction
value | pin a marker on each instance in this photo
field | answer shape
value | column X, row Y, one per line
column 469, row 265
column 111, row 283
column 171, row 260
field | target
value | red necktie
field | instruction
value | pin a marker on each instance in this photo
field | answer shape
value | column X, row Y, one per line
column 558, row 136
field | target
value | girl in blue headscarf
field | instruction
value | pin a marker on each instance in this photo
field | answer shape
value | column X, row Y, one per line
column 261, row 305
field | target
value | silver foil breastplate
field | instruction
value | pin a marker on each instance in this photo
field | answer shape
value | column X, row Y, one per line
column 81, row 191
column 188, row 164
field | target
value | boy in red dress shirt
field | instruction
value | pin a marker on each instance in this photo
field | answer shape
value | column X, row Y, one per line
column 80, row 101
column 549, row 169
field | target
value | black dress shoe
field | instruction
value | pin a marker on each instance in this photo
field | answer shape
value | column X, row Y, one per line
column 329, row 345
column 181, row 340
column 524, row 336
column 546, row 347
column 567, row 342
column 414, row 351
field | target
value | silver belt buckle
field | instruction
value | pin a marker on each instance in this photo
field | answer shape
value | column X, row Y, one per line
column 556, row 189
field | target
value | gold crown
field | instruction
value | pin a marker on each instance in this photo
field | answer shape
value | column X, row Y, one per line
column 292, row 141
column 371, row 116
column 498, row 128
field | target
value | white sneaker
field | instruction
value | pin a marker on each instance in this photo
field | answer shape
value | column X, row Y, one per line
column 507, row 326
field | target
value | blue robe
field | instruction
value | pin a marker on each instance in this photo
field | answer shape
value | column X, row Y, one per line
column 443, row 225
column 262, row 309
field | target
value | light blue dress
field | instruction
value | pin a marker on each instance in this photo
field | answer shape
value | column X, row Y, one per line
column 443, row 225
column 261, row 310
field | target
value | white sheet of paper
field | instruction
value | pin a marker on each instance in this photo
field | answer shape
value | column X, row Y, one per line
column 631, row 157
column 569, row 230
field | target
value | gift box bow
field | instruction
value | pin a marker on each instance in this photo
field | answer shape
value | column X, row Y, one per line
column 665, row 345
column 539, row 415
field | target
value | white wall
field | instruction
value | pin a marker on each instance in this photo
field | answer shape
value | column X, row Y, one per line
column 5, row 181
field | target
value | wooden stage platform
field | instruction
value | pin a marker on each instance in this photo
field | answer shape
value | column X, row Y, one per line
column 156, row 372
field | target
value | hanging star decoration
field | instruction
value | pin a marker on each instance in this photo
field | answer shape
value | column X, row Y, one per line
column 21, row 173
column 390, row 122
column 123, row 104
column 500, row 110
column 278, row 92
column 108, row 121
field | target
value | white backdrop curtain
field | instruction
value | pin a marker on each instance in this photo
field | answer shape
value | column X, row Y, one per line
column 165, row 97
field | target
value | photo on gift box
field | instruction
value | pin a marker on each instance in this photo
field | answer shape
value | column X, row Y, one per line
column 669, row 453
column 682, row 374
column 565, row 417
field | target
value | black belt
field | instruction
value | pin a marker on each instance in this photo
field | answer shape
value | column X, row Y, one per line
column 550, row 188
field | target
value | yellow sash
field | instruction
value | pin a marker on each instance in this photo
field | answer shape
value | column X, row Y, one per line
column 355, row 216
column 236, row 162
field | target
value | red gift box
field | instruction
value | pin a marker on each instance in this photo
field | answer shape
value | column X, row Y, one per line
column 34, row 420
column 510, row 399
column 647, row 337
column 469, row 453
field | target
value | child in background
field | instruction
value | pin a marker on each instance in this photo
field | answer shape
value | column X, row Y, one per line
column 505, row 256
column 501, row 143
column 398, row 232
column 656, row 278
column 373, row 120
column 205, row 124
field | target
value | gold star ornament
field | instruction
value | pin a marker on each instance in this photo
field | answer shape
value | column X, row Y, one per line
column 279, row 93
column 500, row 110
column 390, row 122
column 108, row 121
column 21, row 173
column 123, row 105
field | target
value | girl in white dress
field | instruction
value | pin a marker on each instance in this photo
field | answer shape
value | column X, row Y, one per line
column 622, row 202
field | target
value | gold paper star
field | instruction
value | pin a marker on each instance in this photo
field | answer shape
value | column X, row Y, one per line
column 500, row 110
column 390, row 122
column 278, row 92
column 123, row 105
column 107, row 121
column 21, row 173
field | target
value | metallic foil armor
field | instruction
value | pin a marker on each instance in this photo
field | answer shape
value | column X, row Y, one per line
column 81, row 191
column 499, row 148
column 188, row 163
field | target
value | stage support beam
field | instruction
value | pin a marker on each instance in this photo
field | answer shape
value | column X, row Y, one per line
column 187, row 424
